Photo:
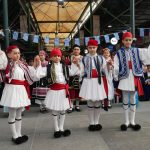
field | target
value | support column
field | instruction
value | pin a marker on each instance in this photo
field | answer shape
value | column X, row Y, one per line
column 91, row 18
column 81, row 37
column 132, row 18
column 5, row 20
column 96, row 25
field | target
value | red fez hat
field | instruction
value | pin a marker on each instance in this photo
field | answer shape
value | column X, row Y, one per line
column 127, row 34
column 55, row 52
column 42, row 52
column 10, row 48
column 92, row 42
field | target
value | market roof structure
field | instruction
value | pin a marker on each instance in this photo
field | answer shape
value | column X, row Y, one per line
column 61, row 19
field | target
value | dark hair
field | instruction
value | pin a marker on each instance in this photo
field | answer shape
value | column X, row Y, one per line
column 76, row 46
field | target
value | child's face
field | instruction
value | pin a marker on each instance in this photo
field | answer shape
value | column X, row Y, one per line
column 92, row 50
column 76, row 51
column 56, row 59
column 42, row 57
column 106, row 53
column 14, row 54
column 127, row 42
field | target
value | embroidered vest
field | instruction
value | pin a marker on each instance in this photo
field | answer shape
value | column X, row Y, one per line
column 50, row 78
column 122, row 55
column 98, row 60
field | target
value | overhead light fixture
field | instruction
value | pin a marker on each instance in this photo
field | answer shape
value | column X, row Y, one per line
column 60, row 2
column 109, row 26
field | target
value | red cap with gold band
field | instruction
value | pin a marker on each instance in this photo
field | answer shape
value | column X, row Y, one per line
column 127, row 34
column 92, row 42
column 55, row 52
column 10, row 48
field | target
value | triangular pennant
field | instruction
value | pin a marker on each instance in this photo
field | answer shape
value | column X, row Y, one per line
column 56, row 42
column 36, row 39
column 141, row 32
column 77, row 41
column 86, row 40
column 97, row 38
column 106, row 37
column 15, row 35
column 46, row 39
column 25, row 36
column 116, row 36
column 67, row 40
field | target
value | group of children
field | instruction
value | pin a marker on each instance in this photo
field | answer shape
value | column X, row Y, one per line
column 96, row 73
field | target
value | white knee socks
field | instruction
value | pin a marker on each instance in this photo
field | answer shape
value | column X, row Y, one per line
column 55, row 117
column 18, row 122
column 62, row 120
column 96, row 112
column 11, row 121
column 59, row 124
column 90, row 105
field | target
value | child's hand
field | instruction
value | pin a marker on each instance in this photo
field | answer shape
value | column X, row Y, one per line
column 37, row 62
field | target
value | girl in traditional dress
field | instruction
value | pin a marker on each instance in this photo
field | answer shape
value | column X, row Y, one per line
column 75, row 81
column 40, row 91
column 109, row 61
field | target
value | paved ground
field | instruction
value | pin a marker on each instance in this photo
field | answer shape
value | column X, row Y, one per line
column 39, row 127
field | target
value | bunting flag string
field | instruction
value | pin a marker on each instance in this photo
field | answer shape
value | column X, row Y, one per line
column 67, row 41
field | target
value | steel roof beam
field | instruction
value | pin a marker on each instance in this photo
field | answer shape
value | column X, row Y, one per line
column 57, row 21
column 57, row 1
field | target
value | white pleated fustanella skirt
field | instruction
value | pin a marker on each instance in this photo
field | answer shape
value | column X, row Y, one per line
column 56, row 100
column 128, row 83
column 92, row 90
column 14, row 96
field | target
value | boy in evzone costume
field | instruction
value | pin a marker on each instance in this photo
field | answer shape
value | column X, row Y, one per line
column 128, row 70
column 16, row 93
column 57, row 98
column 92, row 88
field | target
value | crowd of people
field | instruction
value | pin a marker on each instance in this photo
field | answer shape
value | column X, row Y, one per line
column 60, row 84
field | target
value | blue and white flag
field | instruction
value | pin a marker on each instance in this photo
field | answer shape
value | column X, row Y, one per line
column 67, row 40
column 36, row 39
column 86, row 40
column 77, row 41
column 141, row 32
column 56, row 41
column 106, row 37
column 25, row 36
column 46, row 39
column 116, row 36
column 15, row 35
column 97, row 38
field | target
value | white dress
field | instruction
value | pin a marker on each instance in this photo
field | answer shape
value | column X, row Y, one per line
column 127, row 84
column 56, row 99
column 90, row 88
